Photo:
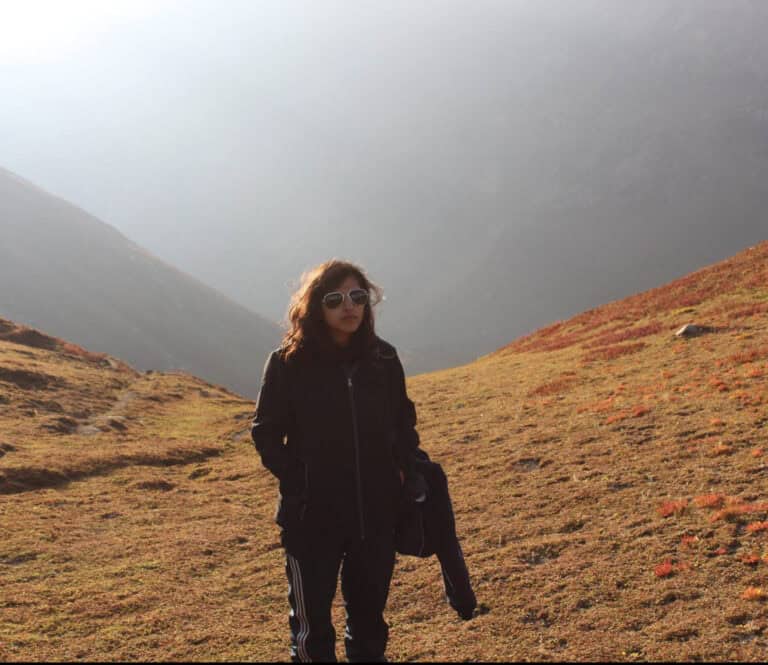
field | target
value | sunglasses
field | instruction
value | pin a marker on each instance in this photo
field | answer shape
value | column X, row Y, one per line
column 335, row 298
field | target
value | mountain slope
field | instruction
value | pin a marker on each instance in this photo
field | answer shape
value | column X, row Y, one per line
column 66, row 272
column 609, row 482
column 586, row 151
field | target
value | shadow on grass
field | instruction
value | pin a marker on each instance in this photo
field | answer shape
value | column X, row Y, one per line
column 29, row 478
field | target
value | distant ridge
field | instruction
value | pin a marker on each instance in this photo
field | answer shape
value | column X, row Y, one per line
column 745, row 271
column 26, row 336
column 67, row 272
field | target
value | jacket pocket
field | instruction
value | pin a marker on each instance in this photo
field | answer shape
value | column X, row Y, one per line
column 293, row 482
column 294, row 491
column 290, row 511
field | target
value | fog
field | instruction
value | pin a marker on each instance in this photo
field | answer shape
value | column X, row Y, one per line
column 495, row 165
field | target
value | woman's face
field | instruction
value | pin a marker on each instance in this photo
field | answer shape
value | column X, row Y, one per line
column 344, row 320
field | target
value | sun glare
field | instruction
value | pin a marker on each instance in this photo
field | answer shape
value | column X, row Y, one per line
column 41, row 30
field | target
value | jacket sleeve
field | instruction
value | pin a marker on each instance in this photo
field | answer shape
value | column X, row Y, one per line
column 270, row 423
column 407, row 438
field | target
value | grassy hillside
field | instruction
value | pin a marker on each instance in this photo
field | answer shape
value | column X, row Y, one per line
column 609, row 481
column 66, row 272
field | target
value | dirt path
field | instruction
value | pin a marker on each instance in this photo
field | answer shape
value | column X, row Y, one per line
column 112, row 419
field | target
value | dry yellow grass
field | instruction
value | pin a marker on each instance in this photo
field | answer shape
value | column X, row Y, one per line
column 606, row 502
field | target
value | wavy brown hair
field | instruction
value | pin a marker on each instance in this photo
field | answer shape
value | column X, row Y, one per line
column 305, row 321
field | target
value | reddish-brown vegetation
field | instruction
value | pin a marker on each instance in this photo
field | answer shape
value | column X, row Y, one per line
column 722, row 449
column 598, row 407
column 623, row 336
column 737, row 510
column 717, row 383
column 750, row 311
column 26, row 336
column 665, row 569
column 710, row 501
column 738, row 309
column 80, row 352
column 749, row 356
column 756, row 527
column 743, row 271
column 636, row 412
column 554, row 387
column 754, row 593
column 613, row 352
column 672, row 507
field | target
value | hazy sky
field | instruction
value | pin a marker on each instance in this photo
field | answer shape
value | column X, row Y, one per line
column 246, row 140
column 177, row 120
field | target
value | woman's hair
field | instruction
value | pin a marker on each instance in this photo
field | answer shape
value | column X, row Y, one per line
column 305, row 321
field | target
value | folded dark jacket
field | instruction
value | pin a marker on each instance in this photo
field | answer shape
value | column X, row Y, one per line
column 426, row 527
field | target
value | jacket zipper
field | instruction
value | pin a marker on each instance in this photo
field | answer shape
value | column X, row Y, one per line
column 357, row 454
column 306, row 491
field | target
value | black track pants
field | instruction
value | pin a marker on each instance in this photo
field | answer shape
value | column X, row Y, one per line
column 366, row 571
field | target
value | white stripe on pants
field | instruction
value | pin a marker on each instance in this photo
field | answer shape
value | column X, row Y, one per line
column 298, row 590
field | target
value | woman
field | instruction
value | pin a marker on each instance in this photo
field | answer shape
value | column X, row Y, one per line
column 335, row 425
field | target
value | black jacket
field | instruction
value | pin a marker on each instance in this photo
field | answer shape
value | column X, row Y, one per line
column 426, row 526
column 335, row 431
